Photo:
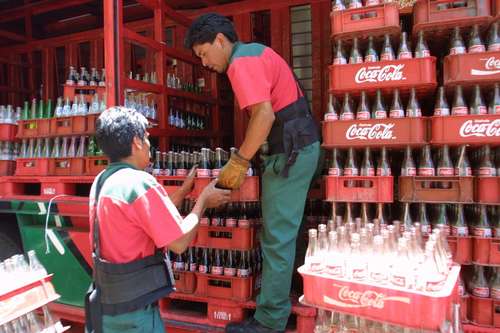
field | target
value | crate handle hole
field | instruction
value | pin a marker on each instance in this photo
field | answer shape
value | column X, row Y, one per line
column 219, row 234
column 219, row 283
column 358, row 183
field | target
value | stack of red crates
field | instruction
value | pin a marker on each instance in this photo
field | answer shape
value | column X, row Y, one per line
column 8, row 130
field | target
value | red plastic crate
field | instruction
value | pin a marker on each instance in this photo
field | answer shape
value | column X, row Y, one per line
column 380, row 190
column 430, row 15
column 461, row 249
column 43, row 186
column 467, row 129
column 32, row 166
column 185, row 282
column 249, row 190
column 67, row 166
column 412, row 189
column 472, row 68
column 8, row 132
column 486, row 251
column 464, row 308
column 484, row 311
column 488, row 190
column 496, row 9
column 7, row 168
column 91, row 119
column 69, row 125
column 366, row 21
column 391, row 305
column 171, row 183
column 227, row 238
column 95, row 164
column 230, row 288
column 391, row 132
column 33, row 128
column 418, row 73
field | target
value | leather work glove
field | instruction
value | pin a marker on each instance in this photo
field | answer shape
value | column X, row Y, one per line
column 233, row 174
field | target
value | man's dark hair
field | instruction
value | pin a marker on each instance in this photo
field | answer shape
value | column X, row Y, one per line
column 115, row 130
column 206, row 27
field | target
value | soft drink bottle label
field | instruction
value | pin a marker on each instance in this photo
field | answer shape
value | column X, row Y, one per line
column 459, row 110
column 372, row 2
column 398, row 280
column 203, row 173
column 217, row 270
column 426, row 171
column 359, row 273
column 335, row 270
column 423, row 54
column 215, row 172
column 397, row 113
column 216, row 221
column 383, row 171
column 481, row 292
column 486, row 172
column 181, row 172
column 229, row 271
column 231, row 222
column 243, row 273
column 340, row 61
column 193, row 267
column 468, row 171
column 378, row 277
column 404, row 55
column 457, row 50
column 496, row 232
column 482, row 110
column 331, row 116
column 370, row 58
column 409, row 171
column 355, row 4
column 347, row 116
column 356, row 60
column 435, row 286
column 495, row 294
column 445, row 171
column 441, row 112
column 351, row 172
column 370, row 172
column 445, row 228
column 426, row 229
column 178, row 266
column 333, row 172
column 494, row 47
column 459, row 231
column 386, row 56
column 204, row 221
column 363, row 115
column 202, row 269
column 481, row 232
column 380, row 114
column 243, row 223
column 338, row 7
column 478, row 48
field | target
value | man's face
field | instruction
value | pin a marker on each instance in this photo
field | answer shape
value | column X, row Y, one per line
column 213, row 55
column 145, row 152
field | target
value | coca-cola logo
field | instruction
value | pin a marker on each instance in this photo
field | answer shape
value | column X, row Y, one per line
column 491, row 66
column 348, row 298
column 368, row 132
column 376, row 74
column 480, row 128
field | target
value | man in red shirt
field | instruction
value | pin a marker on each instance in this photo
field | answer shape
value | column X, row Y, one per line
column 131, row 222
column 280, row 122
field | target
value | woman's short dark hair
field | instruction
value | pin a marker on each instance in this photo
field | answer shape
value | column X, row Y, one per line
column 115, row 130
column 206, row 27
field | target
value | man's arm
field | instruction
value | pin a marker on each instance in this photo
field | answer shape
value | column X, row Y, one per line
column 259, row 126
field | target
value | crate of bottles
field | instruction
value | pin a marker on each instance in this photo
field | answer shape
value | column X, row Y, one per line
column 465, row 129
column 359, row 188
column 390, row 304
column 486, row 250
column 472, row 68
column 7, row 168
column 95, row 164
column 185, row 282
column 68, row 125
column 226, row 287
column 171, row 183
column 8, row 132
column 249, row 190
column 363, row 21
column 402, row 74
column 488, row 190
column 461, row 249
column 227, row 237
column 71, row 166
column 389, row 132
column 484, row 311
column 436, row 189
column 432, row 15
column 91, row 122
column 32, row 166
column 33, row 128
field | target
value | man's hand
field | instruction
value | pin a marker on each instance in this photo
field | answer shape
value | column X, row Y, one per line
column 233, row 173
column 188, row 184
column 214, row 197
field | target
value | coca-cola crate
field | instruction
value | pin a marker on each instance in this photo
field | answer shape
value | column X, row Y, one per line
column 431, row 15
column 416, row 189
column 95, row 164
column 8, row 132
column 32, row 166
column 171, row 183
column 185, row 282
column 408, row 308
column 464, row 308
column 88, row 91
column 467, row 129
column 366, row 21
column 391, row 132
column 45, row 187
column 91, row 119
column 7, row 168
column 72, row 166
column 496, row 9
column 472, row 68
column 227, row 238
column 485, row 311
column 359, row 188
column 403, row 74
column 249, row 190
column 68, row 125
column 317, row 190
column 33, row 128
column 461, row 249
column 226, row 287
column 488, row 190
column 486, row 251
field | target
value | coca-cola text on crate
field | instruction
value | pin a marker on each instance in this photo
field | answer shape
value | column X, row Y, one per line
column 472, row 68
column 470, row 129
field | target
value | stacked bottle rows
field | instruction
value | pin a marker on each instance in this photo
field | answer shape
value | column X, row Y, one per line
column 9, row 117
column 84, row 78
column 59, row 147
column 185, row 115
column 33, row 323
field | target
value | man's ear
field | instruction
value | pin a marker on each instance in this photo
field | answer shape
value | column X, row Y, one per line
column 221, row 39
column 137, row 143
